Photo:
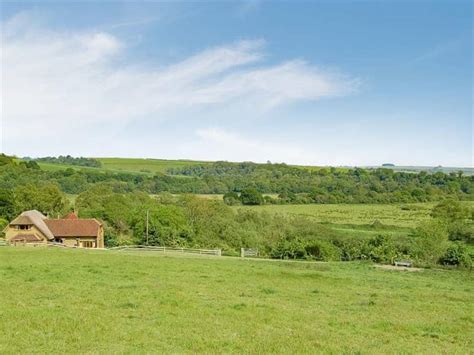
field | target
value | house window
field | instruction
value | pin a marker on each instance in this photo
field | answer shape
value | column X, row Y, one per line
column 23, row 227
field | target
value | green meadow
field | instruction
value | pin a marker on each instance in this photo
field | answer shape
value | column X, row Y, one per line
column 399, row 215
column 362, row 220
column 126, row 165
column 88, row 301
column 152, row 166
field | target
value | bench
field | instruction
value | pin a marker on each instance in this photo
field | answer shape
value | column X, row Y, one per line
column 404, row 263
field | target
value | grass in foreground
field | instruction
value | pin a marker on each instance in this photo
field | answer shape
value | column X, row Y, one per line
column 97, row 301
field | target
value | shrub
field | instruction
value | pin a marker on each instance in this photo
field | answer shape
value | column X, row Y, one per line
column 251, row 197
column 322, row 250
column 381, row 249
column 231, row 198
column 353, row 248
column 430, row 242
column 289, row 249
column 450, row 210
column 461, row 231
column 457, row 254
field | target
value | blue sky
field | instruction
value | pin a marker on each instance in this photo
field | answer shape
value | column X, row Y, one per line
column 326, row 83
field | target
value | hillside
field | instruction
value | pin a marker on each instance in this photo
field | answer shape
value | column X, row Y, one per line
column 87, row 301
column 152, row 166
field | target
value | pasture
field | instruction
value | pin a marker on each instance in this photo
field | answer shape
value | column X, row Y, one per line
column 398, row 215
column 147, row 166
column 126, row 165
column 89, row 301
column 153, row 166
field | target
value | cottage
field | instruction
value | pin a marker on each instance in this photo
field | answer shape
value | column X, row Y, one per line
column 34, row 227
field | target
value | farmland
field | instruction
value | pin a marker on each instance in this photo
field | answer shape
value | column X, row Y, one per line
column 153, row 166
column 92, row 301
column 126, row 165
column 148, row 166
column 399, row 215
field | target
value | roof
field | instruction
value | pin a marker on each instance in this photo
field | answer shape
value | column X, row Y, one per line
column 35, row 218
column 25, row 237
column 73, row 227
column 21, row 220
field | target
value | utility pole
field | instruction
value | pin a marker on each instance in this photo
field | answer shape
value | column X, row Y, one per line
column 147, row 215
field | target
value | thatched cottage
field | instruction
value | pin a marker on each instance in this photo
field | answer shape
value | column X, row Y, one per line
column 34, row 227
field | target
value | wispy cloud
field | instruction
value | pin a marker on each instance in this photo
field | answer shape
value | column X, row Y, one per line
column 72, row 80
column 439, row 50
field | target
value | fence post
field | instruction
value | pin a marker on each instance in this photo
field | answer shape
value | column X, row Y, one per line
column 242, row 252
column 219, row 252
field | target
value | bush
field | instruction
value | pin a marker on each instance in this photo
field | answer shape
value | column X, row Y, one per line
column 353, row 248
column 381, row 249
column 450, row 210
column 231, row 198
column 287, row 249
column 457, row 254
column 251, row 197
column 430, row 242
column 461, row 231
column 323, row 251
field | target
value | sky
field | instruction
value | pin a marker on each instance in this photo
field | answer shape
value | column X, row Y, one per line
column 335, row 83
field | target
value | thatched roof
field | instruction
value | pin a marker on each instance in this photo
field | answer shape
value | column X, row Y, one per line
column 35, row 218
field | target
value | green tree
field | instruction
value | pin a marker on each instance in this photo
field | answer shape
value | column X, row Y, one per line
column 47, row 199
column 458, row 219
column 251, row 197
column 7, row 204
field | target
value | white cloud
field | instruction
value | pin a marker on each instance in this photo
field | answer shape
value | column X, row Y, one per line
column 61, row 84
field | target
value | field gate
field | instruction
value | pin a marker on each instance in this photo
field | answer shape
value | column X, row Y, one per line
column 248, row 252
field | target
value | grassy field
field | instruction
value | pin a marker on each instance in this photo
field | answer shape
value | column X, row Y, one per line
column 78, row 301
column 126, row 165
column 388, row 214
column 398, row 215
column 152, row 166
column 144, row 165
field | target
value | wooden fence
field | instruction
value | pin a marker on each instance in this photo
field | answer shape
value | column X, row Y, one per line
column 215, row 252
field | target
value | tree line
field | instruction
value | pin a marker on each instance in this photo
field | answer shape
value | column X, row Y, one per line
column 291, row 185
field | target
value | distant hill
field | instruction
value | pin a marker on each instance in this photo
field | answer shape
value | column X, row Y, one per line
column 429, row 169
column 152, row 166
column 128, row 165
